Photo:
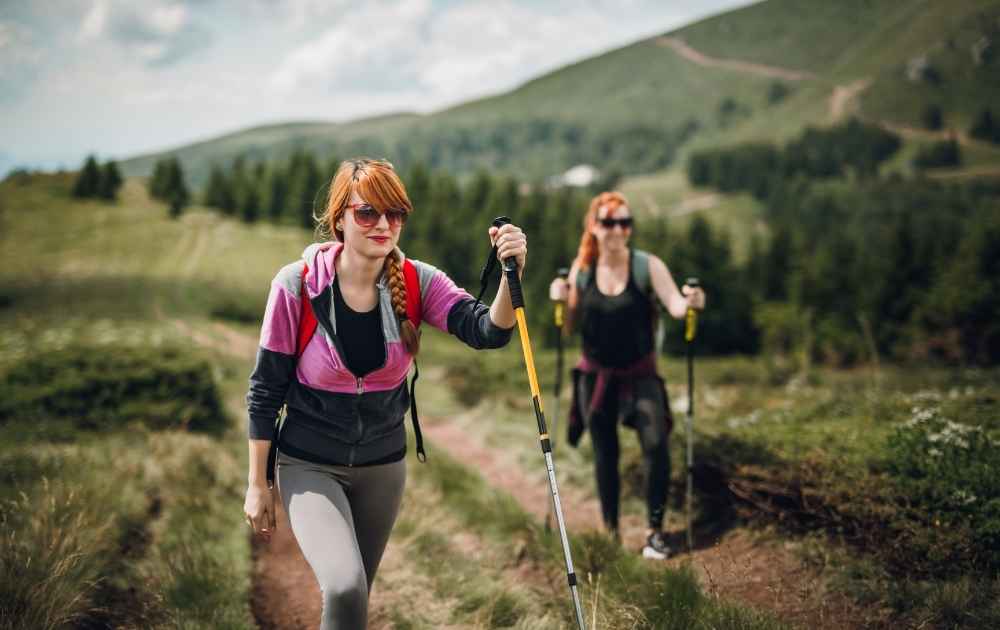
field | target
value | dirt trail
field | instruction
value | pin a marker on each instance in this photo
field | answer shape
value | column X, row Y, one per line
column 285, row 594
column 681, row 48
column 843, row 95
column 765, row 575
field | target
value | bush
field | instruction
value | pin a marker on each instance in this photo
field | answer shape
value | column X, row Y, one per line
column 234, row 310
column 984, row 128
column 945, row 153
column 97, row 388
column 932, row 117
column 948, row 472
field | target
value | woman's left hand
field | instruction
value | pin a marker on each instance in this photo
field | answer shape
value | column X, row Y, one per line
column 510, row 241
column 695, row 297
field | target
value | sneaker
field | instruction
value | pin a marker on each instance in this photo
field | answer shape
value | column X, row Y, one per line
column 656, row 547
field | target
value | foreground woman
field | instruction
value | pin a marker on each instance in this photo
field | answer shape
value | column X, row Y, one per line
column 340, row 466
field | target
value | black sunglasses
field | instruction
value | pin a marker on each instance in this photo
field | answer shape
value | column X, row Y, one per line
column 624, row 222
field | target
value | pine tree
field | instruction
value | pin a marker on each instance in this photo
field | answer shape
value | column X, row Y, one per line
column 304, row 185
column 215, row 193
column 88, row 182
column 250, row 203
column 158, row 181
column 110, row 181
column 175, row 191
column 277, row 192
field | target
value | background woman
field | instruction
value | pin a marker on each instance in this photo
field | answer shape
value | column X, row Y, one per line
column 340, row 449
column 612, row 291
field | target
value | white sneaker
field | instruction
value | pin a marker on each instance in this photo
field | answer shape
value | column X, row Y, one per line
column 656, row 547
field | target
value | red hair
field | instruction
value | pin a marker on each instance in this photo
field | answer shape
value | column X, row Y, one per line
column 377, row 183
column 588, row 251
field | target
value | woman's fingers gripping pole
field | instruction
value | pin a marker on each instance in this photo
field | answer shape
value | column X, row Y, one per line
column 510, row 241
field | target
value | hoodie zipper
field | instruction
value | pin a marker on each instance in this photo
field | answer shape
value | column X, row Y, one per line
column 359, row 380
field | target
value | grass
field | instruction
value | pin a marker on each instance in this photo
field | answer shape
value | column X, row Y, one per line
column 669, row 194
column 827, row 433
column 132, row 526
column 124, row 526
column 619, row 589
column 146, row 525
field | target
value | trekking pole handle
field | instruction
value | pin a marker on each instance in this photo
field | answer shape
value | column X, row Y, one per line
column 562, row 273
column 691, row 318
column 510, row 270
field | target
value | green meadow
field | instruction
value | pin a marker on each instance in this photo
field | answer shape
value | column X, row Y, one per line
column 125, row 509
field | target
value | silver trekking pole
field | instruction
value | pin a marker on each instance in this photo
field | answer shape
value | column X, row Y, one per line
column 517, row 300
column 690, row 326
column 557, row 320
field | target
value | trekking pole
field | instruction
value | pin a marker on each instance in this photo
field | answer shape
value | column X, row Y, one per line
column 517, row 301
column 690, row 325
column 557, row 320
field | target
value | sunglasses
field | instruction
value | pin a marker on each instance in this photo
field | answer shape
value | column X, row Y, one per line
column 624, row 222
column 367, row 216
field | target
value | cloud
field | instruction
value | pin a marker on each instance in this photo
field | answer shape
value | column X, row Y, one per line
column 372, row 49
column 22, row 57
column 446, row 54
column 158, row 35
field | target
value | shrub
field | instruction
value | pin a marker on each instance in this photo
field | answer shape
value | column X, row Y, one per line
column 945, row 153
column 238, row 311
column 948, row 472
column 97, row 388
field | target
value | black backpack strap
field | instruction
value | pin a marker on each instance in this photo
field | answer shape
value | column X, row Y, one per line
column 418, row 436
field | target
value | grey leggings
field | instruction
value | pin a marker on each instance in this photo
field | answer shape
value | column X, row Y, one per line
column 341, row 517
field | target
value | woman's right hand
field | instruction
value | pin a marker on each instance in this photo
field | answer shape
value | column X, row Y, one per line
column 258, row 508
column 559, row 290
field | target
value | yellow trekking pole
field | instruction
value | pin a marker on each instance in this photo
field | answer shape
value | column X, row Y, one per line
column 517, row 300
column 690, row 327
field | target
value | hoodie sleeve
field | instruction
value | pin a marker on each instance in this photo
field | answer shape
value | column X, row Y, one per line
column 448, row 307
column 275, row 366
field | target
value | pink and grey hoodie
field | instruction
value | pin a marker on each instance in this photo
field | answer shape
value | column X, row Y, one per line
column 331, row 414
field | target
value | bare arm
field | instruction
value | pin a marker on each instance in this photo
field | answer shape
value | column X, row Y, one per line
column 258, row 506
column 258, row 462
column 669, row 295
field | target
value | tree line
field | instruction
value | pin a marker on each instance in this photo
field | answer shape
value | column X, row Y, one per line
column 451, row 218
column 859, row 266
column 855, row 266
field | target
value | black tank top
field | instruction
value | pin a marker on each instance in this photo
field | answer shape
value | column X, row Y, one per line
column 617, row 330
column 360, row 335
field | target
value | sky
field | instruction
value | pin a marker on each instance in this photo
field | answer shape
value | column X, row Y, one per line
column 120, row 77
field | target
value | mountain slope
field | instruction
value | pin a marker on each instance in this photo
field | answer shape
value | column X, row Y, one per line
column 635, row 107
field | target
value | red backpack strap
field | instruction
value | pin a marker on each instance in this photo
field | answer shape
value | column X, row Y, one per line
column 414, row 309
column 307, row 318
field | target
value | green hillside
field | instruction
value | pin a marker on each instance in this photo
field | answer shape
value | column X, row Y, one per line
column 639, row 108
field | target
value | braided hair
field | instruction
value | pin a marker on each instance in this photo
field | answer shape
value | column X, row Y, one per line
column 397, row 287
column 378, row 183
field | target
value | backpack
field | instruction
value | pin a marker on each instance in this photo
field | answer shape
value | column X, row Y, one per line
column 639, row 263
column 307, row 328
